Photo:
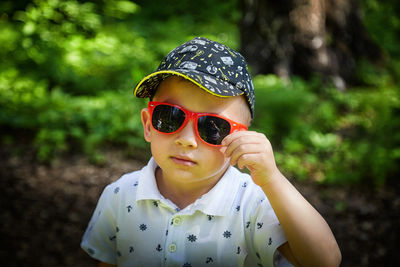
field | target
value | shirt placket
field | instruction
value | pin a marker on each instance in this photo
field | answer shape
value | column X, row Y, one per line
column 175, row 241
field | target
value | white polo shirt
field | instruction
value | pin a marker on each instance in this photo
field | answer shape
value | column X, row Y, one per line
column 232, row 225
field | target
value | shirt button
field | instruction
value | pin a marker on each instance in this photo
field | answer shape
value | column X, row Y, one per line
column 177, row 221
column 172, row 248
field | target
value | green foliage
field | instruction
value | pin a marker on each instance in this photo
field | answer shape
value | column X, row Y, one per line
column 382, row 20
column 88, row 122
column 68, row 69
column 61, row 120
column 68, row 44
column 330, row 136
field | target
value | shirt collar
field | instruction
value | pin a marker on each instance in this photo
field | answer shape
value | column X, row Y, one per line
column 217, row 202
column 147, row 187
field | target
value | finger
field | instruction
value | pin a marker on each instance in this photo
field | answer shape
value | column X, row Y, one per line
column 244, row 149
column 231, row 137
column 223, row 149
column 244, row 140
column 248, row 160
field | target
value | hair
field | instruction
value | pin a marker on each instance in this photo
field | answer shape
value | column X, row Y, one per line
column 158, row 85
column 245, row 111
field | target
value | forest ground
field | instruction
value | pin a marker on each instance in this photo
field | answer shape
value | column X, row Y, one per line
column 44, row 210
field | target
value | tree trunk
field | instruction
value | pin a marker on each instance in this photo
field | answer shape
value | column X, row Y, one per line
column 306, row 37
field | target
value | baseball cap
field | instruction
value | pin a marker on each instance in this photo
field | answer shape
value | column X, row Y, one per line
column 212, row 66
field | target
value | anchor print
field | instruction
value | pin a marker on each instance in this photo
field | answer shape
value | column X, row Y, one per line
column 129, row 208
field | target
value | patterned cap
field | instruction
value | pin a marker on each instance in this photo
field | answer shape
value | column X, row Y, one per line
column 212, row 66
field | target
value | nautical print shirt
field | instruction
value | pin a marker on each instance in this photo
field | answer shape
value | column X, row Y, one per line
column 231, row 225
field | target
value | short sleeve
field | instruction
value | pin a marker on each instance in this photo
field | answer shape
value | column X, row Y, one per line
column 265, row 233
column 99, row 238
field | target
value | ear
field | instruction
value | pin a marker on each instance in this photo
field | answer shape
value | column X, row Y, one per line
column 146, row 121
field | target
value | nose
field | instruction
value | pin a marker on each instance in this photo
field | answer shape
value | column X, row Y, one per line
column 187, row 137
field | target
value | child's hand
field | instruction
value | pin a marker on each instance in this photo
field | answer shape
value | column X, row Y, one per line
column 252, row 150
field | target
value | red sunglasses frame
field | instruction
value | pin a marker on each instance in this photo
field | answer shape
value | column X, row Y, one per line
column 190, row 115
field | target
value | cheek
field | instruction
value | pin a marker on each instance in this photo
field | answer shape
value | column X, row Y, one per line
column 158, row 142
column 157, row 137
column 215, row 156
column 216, row 162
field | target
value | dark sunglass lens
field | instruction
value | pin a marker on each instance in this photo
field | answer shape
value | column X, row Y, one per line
column 213, row 129
column 167, row 119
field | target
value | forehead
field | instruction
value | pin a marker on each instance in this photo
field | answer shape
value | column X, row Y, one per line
column 179, row 91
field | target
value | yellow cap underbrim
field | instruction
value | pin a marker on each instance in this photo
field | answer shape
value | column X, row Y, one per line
column 139, row 85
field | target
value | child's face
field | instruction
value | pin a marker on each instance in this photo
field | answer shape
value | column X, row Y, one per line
column 182, row 155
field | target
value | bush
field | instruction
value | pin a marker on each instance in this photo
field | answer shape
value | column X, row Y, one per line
column 68, row 67
column 88, row 123
column 329, row 135
column 60, row 121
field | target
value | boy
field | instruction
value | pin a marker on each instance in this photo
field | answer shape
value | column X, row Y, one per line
column 189, row 206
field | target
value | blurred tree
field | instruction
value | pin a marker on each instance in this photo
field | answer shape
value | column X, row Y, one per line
column 304, row 37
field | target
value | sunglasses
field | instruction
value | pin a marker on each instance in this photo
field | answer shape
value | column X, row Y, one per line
column 210, row 128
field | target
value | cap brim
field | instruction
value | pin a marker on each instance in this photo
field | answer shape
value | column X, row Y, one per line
column 148, row 85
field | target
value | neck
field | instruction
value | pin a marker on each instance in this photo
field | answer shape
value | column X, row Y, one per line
column 183, row 194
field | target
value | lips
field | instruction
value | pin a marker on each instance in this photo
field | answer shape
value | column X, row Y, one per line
column 183, row 160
